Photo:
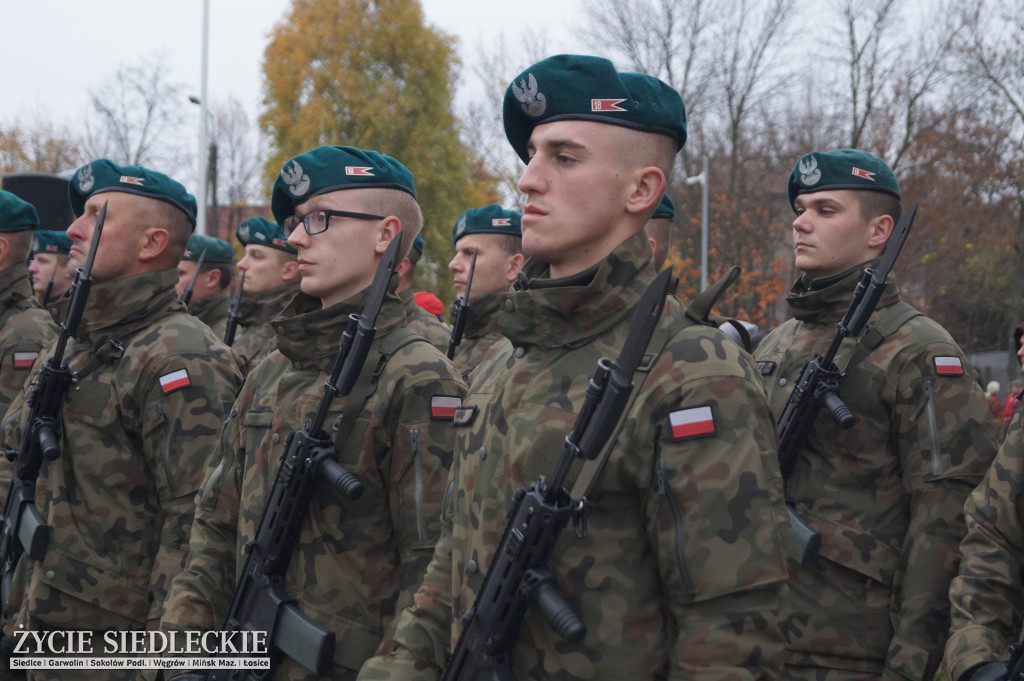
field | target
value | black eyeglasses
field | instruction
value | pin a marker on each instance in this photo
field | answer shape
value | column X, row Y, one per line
column 316, row 221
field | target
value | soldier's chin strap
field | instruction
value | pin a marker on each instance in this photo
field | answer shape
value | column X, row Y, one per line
column 698, row 313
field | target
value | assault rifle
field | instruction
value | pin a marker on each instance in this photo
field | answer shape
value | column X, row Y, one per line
column 461, row 312
column 229, row 333
column 186, row 295
column 24, row 530
column 519, row 574
column 261, row 603
column 818, row 384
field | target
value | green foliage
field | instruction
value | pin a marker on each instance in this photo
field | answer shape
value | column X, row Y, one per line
column 372, row 75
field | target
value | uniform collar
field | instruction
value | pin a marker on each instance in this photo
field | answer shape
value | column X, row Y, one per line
column 255, row 308
column 15, row 286
column 827, row 299
column 114, row 303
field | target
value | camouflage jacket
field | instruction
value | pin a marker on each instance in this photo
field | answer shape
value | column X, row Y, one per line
column 357, row 562
column 254, row 336
column 887, row 495
column 138, row 431
column 480, row 334
column 987, row 596
column 213, row 311
column 25, row 328
column 424, row 323
column 682, row 568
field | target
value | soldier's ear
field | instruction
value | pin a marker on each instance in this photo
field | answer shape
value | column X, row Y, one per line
column 153, row 243
column 879, row 230
column 648, row 187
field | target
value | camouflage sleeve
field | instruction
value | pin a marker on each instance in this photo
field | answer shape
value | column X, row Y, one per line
column 185, row 402
column 199, row 596
column 418, row 642
column 417, row 470
column 22, row 338
column 986, row 597
column 945, row 441
column 715, row 511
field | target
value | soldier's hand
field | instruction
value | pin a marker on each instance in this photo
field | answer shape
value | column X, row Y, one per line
column 988, row 671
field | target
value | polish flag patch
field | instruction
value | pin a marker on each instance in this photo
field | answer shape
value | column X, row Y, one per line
column 24, row 360
column 606, row 104
column 949, row 366
column 442, row 407
column 175, row 380
column 128, row 179
column 865, row 174
column 692, row 423
column 366, row 171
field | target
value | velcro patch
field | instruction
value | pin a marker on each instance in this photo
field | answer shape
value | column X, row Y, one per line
column 464, row 416
column 175, row 380
column 767, row 368
column 949, row 366
column 687, row 424
column 442, row 407
column 24, row 360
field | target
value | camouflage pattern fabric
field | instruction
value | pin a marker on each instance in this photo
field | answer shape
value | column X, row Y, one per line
column 987, row 596
column 58, row 308
column 254, row 336
column 887, row 495
column 213, row 311
column 682, row 569
column 424, row 323
column 139, row 429
column 25, row 329
column 480, row 334
column 357, row 562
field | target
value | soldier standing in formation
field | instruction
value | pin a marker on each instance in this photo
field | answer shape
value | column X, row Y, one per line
column 682, row 568
column 886, row 495
column 493, row 235
column 25, row 328
column 51, row 276
column 140, row 425
column 340, row 208
column 210, row 298
column 418, row 319
column 271, row 272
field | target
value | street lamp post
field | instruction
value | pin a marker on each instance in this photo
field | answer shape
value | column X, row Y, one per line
column 201, row 199
column 703, row 180
column 207, row 174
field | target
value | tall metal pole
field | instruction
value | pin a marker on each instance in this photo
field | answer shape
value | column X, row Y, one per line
column 201, row 198
column 703, row 179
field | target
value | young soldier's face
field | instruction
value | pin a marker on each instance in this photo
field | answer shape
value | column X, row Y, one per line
column 494, row 269
column 576, row 185
column 46, row 265
column 831, row 234
column 264, row 267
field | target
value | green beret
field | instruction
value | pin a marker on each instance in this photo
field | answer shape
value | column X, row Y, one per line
column 492, row 219
column 418, row 243
column 16, row 214
column 327, row 169
column 103, row 175
column 217, row 251
column 575, row 87
column 841, row 169
column 50, row 241
column 665, row 209
column 263, row 232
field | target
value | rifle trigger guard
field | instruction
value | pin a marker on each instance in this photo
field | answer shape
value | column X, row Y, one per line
column 579, row 517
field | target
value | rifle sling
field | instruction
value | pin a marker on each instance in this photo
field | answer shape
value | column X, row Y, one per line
column 697, row 313
column 889, row 320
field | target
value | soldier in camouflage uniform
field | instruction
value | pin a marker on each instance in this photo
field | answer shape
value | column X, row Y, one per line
column 271, row 281
column 418, row 319
column 210, row 300
column 25, row 328
column 138, row 427
column 682, row 568
column 986, row 596
column 358, row 562
column 493, row 234
column 886, row 495
column 51, row 276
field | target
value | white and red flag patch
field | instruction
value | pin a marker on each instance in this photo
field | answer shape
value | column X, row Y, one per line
column 444, row 406
column 949, row 366
column 501, row 222
column 174, row 380
column 128, row 179
column 692, row 422
column 366, row 171
column 24, row 360
column 865, row 174
column 606, row 105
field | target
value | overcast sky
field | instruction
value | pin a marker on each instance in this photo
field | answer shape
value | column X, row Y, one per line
column 54, row 52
